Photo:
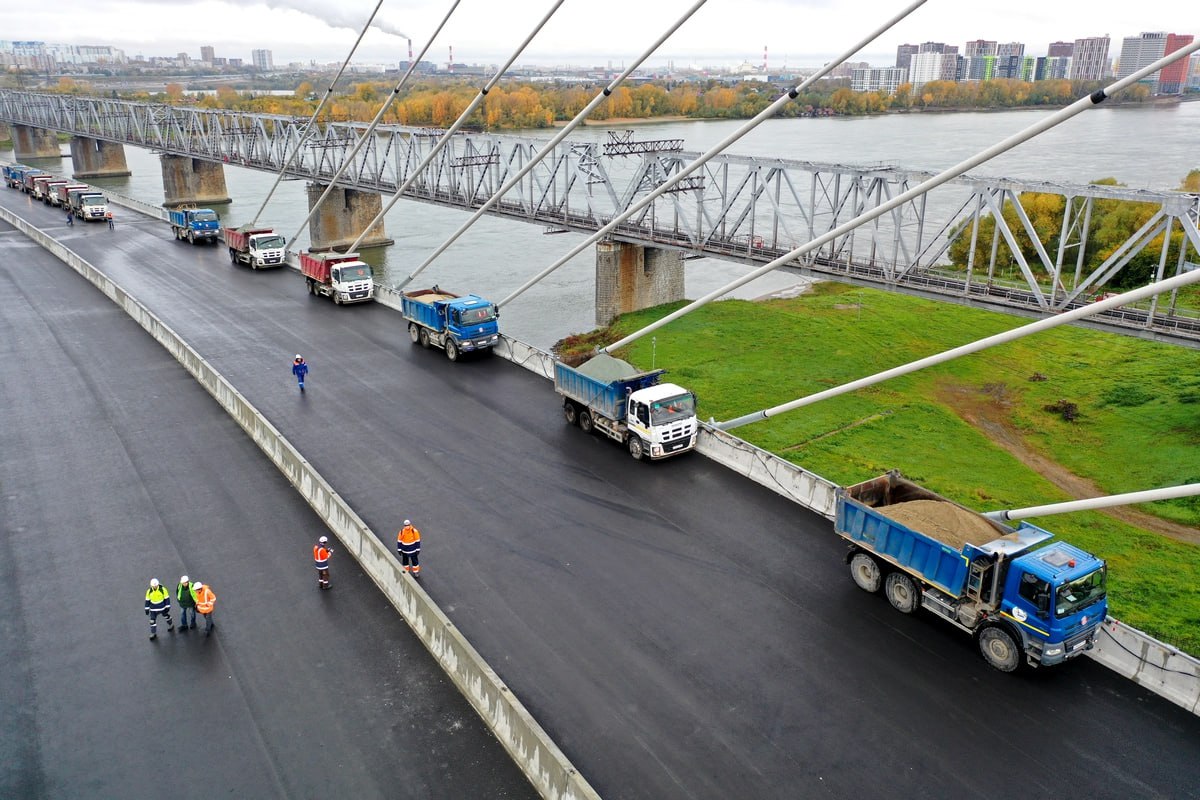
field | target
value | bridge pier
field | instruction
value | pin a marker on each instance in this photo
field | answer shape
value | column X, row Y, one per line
column 630, row 277
column 342, row 217
column 188, row 180
column 96, row 158
column 34, row 143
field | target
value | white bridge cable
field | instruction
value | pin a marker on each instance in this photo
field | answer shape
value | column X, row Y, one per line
column 716, row 149
column 312, row 122
column 444, row 139
column 1080, row 105
column 1089, row 503
column 366, row 136
column 549, row 146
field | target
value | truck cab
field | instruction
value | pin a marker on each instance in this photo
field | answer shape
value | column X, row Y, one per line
column 266, row 249
column 343, row 277
column 663, row 417
column 92, row 206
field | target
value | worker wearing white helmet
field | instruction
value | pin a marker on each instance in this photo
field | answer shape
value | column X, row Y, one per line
column 206, row 600
column 300, row 369
column 158, row 601
column 322, row 552
column 187, row 603
column 408, row 547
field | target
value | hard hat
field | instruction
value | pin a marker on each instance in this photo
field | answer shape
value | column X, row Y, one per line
column 197, row 585
column 298, row 357
column 154, row 583
column 406, row 522
column 183, row 579
column 323, row 539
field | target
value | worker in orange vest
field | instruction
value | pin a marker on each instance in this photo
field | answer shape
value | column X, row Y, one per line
column 205, row 600
column 321, row 556
column 408, row 546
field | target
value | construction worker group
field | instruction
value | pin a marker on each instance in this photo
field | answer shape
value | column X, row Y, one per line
column 193, row 596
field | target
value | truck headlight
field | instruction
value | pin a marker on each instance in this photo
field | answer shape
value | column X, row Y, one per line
column 1054, row 651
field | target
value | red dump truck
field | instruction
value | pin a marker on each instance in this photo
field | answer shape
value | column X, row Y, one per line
column 341, row 276
column 257, row 248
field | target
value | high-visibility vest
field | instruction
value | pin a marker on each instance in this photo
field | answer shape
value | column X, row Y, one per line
column 409, row 539
column 321, row 556
column 158, row 599
column 204, row 599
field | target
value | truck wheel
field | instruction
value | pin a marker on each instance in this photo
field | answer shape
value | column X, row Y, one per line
column 637, row 448
column 902, row 592
column 585, row 422
column 1000, row 648
column 571, row 413
column 424, row 338
column 865, row 572
column 451, row 349
column 337, row 298
column 191, row 237
column 232, row 256
column 414, row 332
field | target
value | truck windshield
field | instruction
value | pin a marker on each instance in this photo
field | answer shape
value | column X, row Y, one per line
column 358, row 272
column 672, row 408
column 1078, row 594
column 474, row 316
column 93, row 201
column 269, row 242
column 205, row 216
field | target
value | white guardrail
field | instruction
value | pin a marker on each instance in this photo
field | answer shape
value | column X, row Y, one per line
column 1152, row 664
column 529, row 746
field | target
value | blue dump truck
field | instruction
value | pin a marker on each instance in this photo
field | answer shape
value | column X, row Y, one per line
column 654, row 420
column 1022, row 605
column 13, row 174
column 195, row 224
column 456, row 323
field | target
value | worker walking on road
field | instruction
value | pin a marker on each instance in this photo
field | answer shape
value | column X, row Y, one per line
column 408, row 546
column 321, row 555
column 183, row 596
column 71, row 223
column 158, row 601
column 205, row 600
column 108, row 216
column 300, row 369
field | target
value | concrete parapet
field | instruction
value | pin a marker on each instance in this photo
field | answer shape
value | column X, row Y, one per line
column 96, row 158
column 630, row 277
column 192, row 181
column 343, row 216
column 35, row 143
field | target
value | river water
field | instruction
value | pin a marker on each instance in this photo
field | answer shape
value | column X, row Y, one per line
column 1150, row 147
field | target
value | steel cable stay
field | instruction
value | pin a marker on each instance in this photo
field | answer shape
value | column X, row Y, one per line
column 550, row 145
column 724, row 144
column 312, row 122
column 445, row 136
column 349, row 158
column 1086, row 504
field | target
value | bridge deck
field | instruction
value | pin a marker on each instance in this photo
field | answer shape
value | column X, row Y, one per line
column 679, row 632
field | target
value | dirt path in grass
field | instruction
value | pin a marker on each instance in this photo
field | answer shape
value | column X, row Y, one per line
column 990, row 416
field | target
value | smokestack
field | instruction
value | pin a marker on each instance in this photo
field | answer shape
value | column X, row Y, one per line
column 410, row 51
column 765, row 60
column 451, row 64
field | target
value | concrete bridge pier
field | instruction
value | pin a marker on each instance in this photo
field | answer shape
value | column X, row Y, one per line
column 96, row 158
column 630, row 277
column 34, row 143
column 342, row 217
column 188, row 180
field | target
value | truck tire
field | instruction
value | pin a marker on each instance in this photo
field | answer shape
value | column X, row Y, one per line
column 451, row 349
column 1000, row 648
column 425, row 338
column 864, row 571
column 585, row 422
column 902, row 592
column 637, row 448
column 414, row 332
column 312, row 286
column 570, row 412
column 337, row 298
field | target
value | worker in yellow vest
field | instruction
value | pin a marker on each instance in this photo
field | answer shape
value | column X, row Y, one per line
column 158, row 601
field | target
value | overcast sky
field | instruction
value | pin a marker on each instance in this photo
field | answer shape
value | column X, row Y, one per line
column 797, row 32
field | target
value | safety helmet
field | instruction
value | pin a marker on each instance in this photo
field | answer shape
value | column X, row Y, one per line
column 154, row 583
column 406, row 522
column 299, row 357
column 183, row 578
column 323, row 539
column 197, row 585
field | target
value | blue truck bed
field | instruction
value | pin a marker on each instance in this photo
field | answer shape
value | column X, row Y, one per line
column 602, row 383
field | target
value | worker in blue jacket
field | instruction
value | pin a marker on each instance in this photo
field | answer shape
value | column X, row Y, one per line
column 300, row 369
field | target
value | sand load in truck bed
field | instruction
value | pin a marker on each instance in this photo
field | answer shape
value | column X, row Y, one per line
column 946, row 522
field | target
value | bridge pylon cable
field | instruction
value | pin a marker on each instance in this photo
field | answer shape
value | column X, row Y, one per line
column 550, row 145
column 312, row 122
column 1045, row 124
column 712, row 152
column 1087, row 504
column 366, row 136
column 458, row 123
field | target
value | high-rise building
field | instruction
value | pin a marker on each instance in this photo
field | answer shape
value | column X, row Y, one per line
column 1174, row 78
column 878, row 79
column 1051, row 68
column 1060, row 50
column 979, row 47
column 933, row 47
column 1010, row 49
column 1140, row 51
column 929, row 66
column 262, row 60
column 904, row 54
column 206, row 54
column 1089, row 61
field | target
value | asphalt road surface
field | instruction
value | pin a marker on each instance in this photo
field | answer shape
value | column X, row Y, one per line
column 115, row 467
column 680, row 632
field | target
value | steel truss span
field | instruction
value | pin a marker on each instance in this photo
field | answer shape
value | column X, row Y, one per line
column 735, row 208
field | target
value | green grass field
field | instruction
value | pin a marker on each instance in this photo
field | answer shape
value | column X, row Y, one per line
column 1138, row 422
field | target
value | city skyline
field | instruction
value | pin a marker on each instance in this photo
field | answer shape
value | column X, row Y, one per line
column 808, row 33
